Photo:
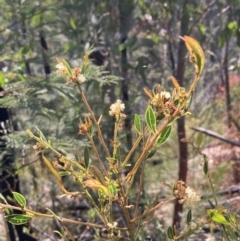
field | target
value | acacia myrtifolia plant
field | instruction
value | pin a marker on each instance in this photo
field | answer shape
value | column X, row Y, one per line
column 106, row 177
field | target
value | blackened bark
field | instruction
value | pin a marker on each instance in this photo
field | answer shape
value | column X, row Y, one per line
column 125, row 13
column 44, row 46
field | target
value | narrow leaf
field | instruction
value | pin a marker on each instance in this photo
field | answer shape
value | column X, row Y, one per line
column 86, row 157
column 55, row 173
column 150, row 119
column 205, row 168
column 211, row 204
column 19, row 198
column 231, row 232
column 151, row 154
column 68, row 67
column 170, row 232
column 137, row 123
column 199, row 139
column 189, row 216
column 164, row 135
column 64, row 173
column 97, row 174
column 232, row 218
column 72, row 23
column 41, row 134
column 18, row 219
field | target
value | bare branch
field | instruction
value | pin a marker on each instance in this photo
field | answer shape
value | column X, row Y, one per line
column 216, row 136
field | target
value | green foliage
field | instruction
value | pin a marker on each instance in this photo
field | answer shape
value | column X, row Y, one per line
column 20, row 199
column 164, row 135
column 150, row 119
column 18, row 219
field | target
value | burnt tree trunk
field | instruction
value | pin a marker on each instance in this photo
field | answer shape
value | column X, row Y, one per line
column 125, row 13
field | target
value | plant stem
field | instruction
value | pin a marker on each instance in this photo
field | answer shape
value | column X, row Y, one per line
column 97, row 155
column 94, row 120
column 115, row 143
column 153, row 209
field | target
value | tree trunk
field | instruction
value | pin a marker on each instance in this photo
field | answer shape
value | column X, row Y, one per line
column 183, row 153
column 125, row 16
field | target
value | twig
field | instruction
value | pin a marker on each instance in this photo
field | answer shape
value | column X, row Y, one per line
column 216, row 135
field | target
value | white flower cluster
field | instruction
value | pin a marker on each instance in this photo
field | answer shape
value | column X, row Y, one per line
column 116, row 108
column 165, row 96
column 190, row 197
column 81, row 78
column 61, row 68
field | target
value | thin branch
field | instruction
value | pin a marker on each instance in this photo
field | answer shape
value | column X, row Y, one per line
column 205, row 11
column 216, row 135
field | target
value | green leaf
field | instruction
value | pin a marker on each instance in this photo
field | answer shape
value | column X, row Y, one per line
column 170, row 232
column 121, row 47
column 2, row 78
column 64, row 173
column 211, row 204
column 164, row 135
column 151, row 154
column 68, row 67
column 72, row 23
column 233, row 26
column 196, row 53
column 160, row 116
column 86, row 157
column 189, row 102
column 150, row 119
column 217, row 217
column 205, row 168
column 18, row 219
column 189, row 216
column 202, row 28
column 137, row 123
column 199, row 139
column 19, row 198
column 231, row 232
column 41, row 136
column 232, row 218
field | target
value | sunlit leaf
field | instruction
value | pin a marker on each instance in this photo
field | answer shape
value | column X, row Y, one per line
column 96, row 185
column 196, row 53
column 217, row 217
